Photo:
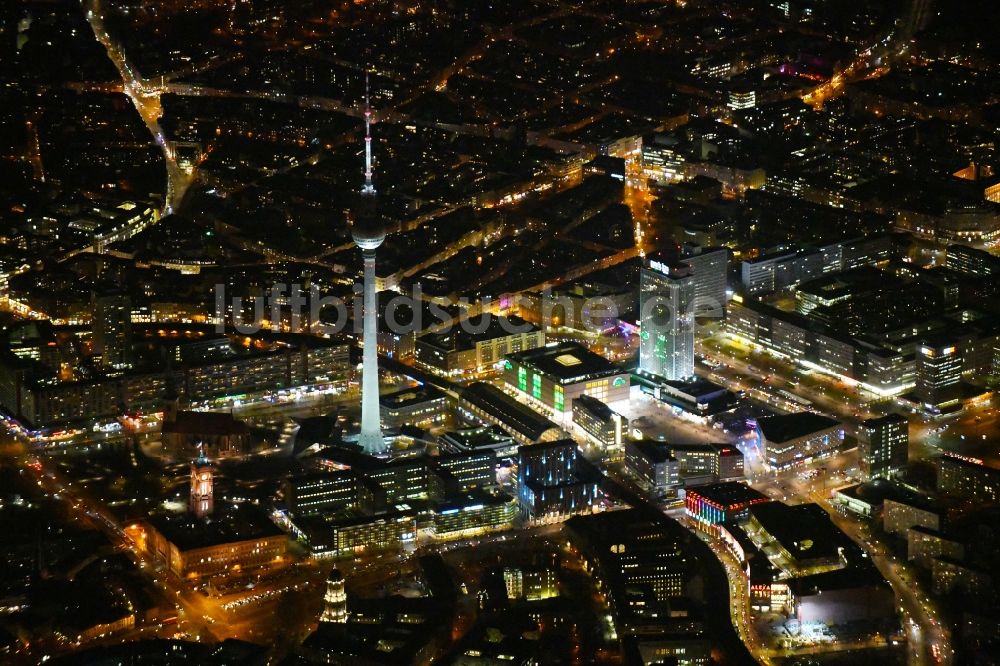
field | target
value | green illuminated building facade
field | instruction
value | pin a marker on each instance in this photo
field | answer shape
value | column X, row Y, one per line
column 551, row 377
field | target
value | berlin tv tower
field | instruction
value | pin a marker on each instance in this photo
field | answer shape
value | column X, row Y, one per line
column 368, row 233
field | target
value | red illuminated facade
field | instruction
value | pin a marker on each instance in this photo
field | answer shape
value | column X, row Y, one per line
column 720, row 502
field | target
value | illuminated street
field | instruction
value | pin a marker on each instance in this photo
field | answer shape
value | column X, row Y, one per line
column 146, row 98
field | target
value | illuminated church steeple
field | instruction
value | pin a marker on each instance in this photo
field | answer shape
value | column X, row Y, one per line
column 202, row 485
column 335, row 599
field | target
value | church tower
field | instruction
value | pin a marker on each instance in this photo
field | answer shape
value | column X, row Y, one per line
column 202, row 486
column 335, row 599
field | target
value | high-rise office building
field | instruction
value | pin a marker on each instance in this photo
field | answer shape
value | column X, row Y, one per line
column 112, row 328
column 663, row 158
column 666, row 311
column 606, row 426
column 551, row 463
column 939, row 372
column 742, row 97
column 883, row 447
column 555, row 481
column 972, row 261
column 711, row 268
column 968, row 478
column 368, row 233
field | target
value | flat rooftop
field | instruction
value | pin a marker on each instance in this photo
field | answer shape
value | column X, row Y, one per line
column 410, row 396
column 594, row 406
column 704, row 447
column 461, row 340
column 804, row 530
column 190, row 533
column 648, row 540
column 786, row 427
column 971, row 464
column 658, row 452
column 566, row 362
column 205, row 423
column 696, row 388
column 471, row 500
column 474, row 438
column 512, row 414
column 848, row 282
column 842, row 579
column 886, row 420
column 876, row 492
column 322, row 522
column 729, row 493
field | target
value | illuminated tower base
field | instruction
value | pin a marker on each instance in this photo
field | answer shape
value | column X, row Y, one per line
column 371, row 439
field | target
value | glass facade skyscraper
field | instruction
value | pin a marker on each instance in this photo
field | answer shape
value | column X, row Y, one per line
column 666, row 320
column 939, row 372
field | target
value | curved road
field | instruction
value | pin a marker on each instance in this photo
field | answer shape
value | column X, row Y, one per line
column 146, row 99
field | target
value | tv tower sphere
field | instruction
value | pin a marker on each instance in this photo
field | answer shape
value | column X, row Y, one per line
column 368, row 232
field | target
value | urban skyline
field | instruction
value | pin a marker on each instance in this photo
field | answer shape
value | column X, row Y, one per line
column 537, row 332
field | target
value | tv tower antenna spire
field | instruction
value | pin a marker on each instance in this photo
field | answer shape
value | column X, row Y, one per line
column 368, row 188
